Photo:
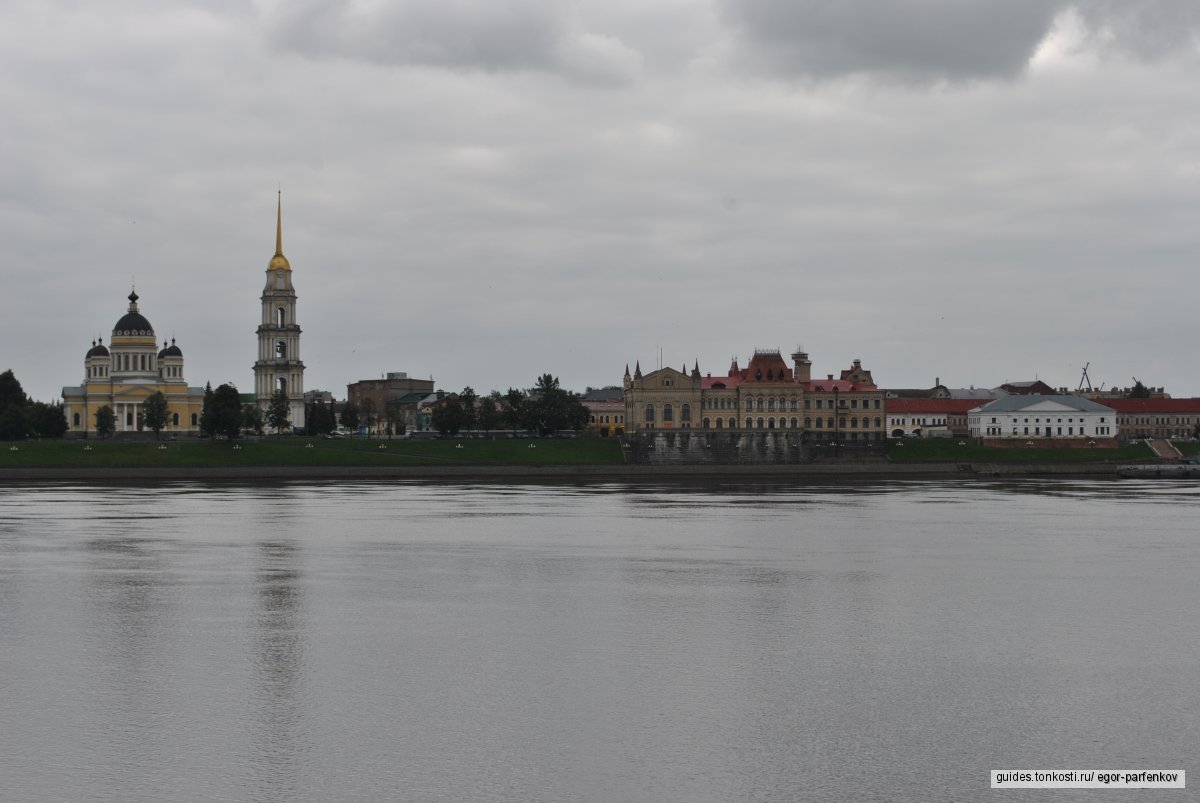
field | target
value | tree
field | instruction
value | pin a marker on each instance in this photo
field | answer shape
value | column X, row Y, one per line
column 514, row 409
column 12, row 407
column 106, row 421
column 154, row 412
column 207, row 412
column 368, row 411
column 1139, row 391
column 252, row 418
column 468, row 399
column 555, row 408
column 11, row 392
column 319, row 418
column 226, row 411
column 279, row 411
column 349, row 417
column 448, row 416
column 45, row 420
column 487, row 417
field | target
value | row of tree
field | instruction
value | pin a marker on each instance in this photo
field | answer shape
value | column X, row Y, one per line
column 545, row 409
column 21, row 417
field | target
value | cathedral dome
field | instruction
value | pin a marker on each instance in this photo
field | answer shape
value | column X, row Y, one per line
column 133, row 322
column 97, row 350
column 170, row 351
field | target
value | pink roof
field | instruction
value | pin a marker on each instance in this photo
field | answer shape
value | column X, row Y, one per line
column 840, row 385
column 707, row 382
column 1151, row 406
column 933, row 405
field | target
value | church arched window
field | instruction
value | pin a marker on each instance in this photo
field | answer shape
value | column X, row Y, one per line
column 281, row 349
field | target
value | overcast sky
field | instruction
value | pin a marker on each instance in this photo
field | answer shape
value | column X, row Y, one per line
column 485, row 191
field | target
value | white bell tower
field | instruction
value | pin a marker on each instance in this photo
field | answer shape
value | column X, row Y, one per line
column 278, row 366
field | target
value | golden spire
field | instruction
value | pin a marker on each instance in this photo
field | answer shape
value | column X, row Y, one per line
column 279, row 261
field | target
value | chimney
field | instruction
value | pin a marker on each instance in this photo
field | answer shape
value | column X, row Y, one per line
column 829, row 377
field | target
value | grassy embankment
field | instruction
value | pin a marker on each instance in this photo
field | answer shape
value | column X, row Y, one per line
column 1188, row 448
column 948, row 450
column 295, row 451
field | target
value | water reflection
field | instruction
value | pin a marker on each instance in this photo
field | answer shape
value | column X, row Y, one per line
column 279, row 742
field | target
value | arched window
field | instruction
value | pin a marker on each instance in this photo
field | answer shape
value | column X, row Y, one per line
column 842, row 422
column 749, row 405
column 175, row 419
column 707, row 423
column 807, row 423
column 649, row 412
column 769, row 377
column 795, row 403
column 760, row 403
column 193, row 419
column 281, row 385
column 820, row 423
column 854, row 422
column 771, row 405
column 732, row 422
column 795, row 423
column 76, row 419
column 829, row 422
column 770, row 423
column 760, row 422
column 280, row 317
column 685, row 414
column 749, row 423
column 281, row 349
column 719, row 422
column 878, row 421
column 668, row 413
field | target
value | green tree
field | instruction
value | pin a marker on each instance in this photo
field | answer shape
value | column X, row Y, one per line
column 154, row 412
column 1139, row 391
column 448, row 416
column 349, row 417
column 278, row 411
column 12, row 407
column 554, row 408
column 208, row 412
column 319, row 418
column 488, row 414
column 42, row 420
column 468, row 399
column 252, row 418
column 226, row 407
column 106, row 421
column 514, row 409
column 11, row 392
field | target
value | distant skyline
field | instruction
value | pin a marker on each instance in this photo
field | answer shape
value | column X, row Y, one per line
column 482, row 192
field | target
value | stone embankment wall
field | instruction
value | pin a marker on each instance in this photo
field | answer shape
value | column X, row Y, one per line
column 738, row 448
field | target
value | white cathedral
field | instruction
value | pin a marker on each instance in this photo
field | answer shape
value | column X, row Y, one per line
column 278, row 367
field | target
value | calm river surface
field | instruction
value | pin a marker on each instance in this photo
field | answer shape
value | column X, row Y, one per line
column 318, row 642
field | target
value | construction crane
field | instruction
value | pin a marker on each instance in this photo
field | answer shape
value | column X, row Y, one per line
column 1085, row 379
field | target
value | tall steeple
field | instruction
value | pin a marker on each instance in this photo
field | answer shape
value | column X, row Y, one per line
column 278, row 367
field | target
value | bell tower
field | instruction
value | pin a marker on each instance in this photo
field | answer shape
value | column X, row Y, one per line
column 278, row 366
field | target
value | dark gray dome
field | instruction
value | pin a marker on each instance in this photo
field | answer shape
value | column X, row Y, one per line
column 97, row 350
column 133, row 322
column 170, row 351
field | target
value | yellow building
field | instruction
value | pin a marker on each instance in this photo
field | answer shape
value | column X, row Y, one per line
column 768, row 394
column 125, row 373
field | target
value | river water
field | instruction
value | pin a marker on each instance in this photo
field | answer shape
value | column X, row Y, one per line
column 314, row 642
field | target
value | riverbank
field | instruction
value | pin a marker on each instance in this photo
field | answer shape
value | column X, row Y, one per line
column 815, row 472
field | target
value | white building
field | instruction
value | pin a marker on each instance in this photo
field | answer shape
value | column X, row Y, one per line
column 1043, row 417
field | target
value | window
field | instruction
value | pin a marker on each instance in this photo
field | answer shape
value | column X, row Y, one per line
column 719, row 422
column 193, row 419
column 685, row 413
column 820, row 423
column 760, row 422
column 175, row 419
column 76, row 419
column 760, row 403
column 649, row 412
column 807, row 423
column 706, row 423
column 771, row 405
column 668, row 413
column 281, row 350
column 749, row 423
column 770, row 423
column 280, row 317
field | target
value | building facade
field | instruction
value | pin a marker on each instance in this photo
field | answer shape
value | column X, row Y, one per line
column 1156, row 417
column 1059, row 417
column 125, row 373
column 278, row 367
column 388, row 401
column 768, row 394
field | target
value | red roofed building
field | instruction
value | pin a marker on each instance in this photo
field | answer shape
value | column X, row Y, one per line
column 768, row 394
column 926, row 417
column 1155, row 417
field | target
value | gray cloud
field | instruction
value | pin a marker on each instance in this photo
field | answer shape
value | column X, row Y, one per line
column 934, row 40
